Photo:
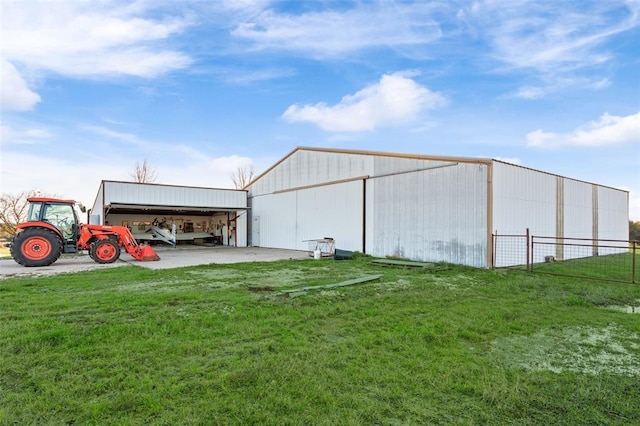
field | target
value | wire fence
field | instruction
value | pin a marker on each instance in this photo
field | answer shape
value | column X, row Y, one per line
column 511, row 251
column 608, row 260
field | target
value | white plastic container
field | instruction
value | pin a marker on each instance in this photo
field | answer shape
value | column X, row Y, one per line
column 317, row 254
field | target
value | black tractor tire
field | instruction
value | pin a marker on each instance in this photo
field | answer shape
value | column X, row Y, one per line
column 36, row 247
column 105, row 251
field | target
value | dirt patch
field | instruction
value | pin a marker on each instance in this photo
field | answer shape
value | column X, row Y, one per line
column 589, row 350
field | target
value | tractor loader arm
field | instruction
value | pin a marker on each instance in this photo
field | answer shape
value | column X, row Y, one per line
column 104, row 243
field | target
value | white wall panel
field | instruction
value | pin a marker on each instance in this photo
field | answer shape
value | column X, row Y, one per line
column 431, row 215
column 577, row 216
column 578, row 209
column 96, row 210
column 288, row 219
column 277, row 215
column 613, row 218
column 241, row 229
column 333, row 211
column 523, row 198
column 166, row 195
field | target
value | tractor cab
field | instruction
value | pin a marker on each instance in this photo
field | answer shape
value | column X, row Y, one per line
column 57, row 213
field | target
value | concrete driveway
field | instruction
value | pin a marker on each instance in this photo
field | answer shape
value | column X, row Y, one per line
column 169, row 258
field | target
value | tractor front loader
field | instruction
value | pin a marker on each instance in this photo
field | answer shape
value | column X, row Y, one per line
column 52, row 228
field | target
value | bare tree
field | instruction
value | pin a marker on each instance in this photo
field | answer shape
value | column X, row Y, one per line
column 144, row 173
column 13, row 210
column 242, row 176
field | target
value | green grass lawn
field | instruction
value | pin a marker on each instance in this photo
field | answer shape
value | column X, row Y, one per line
column 615, row 267
column 222, row 345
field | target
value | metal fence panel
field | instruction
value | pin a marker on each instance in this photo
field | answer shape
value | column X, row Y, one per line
column 605, row 260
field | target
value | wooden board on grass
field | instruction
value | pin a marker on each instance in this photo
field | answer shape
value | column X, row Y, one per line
column 360, row 280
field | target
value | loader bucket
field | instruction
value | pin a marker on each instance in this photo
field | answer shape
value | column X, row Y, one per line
column 145, row 253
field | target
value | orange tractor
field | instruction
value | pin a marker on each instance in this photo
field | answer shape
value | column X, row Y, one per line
column 52, row 228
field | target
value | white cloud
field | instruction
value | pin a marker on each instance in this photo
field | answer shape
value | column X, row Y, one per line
column 551, row 35
column 12, row 136
column 556, row 83
column 112, row 134
column 563, row 43
column 529, row 92
column 230, row 163
column 395, row 99
column 242, row 77
column 92, row 39
column 330, row 33
column 608, row 130
column 15, row 94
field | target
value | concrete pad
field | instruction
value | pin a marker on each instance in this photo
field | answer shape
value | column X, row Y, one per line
column 169, row 258
column 195, row 255
column 66, row 264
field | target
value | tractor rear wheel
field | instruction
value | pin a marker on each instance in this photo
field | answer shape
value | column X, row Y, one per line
column 105, row 251
column 36, row 247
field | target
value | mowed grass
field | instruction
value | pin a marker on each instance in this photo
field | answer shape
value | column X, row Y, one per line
column 623, row 267
column 220, row 344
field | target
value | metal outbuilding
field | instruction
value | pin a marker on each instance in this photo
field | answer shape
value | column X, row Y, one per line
column 421, row 207
column 213, row 215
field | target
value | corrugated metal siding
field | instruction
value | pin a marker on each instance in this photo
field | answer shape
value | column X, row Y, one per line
column 554, row 206
column 288, row 219
column 331, row 211
column 613, row 214
column 165, row 195
column 577, row 217
column 305, row 168
column 430, row 215
column 578, row 212
column 277, row 216
column 524, row 198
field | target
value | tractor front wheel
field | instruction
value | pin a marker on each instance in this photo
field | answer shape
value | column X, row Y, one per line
column 36, row 247
column 105, row 251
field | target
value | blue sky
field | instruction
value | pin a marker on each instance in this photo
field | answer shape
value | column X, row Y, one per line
column 199, row 88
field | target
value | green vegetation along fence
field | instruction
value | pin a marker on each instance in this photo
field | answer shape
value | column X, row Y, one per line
column 609, row 260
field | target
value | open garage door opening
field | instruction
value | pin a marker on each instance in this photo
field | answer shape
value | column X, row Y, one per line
column 176, row 226
column 173, row 215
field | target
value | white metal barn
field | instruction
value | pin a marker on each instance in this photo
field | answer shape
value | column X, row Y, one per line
column 198, row 214
column 421, row 207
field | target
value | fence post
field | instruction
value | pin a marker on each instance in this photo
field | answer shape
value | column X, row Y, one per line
column 532, row 254
column 494, row 238
column 633, row 262
column 527, row 243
